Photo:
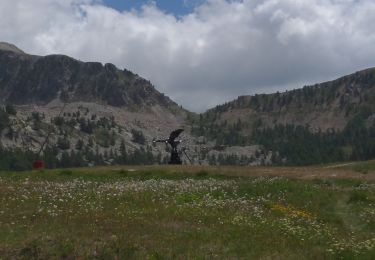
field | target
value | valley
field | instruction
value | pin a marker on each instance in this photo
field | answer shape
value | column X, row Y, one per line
column 96, row 114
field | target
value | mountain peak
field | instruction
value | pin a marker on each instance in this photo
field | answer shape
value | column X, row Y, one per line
column 10, row 47
column 27, row 79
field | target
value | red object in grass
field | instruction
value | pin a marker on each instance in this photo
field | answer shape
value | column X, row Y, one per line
column 38, row 164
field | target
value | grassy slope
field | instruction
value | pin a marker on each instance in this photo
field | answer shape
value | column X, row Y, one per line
column 189, row 212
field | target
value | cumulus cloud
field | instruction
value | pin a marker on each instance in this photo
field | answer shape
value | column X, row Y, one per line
column 219, row 51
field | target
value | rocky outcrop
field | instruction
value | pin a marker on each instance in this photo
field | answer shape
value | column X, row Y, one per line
column 10, row 47
column 26, row 79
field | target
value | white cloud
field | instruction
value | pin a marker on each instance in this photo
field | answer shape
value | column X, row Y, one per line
column 221, row 50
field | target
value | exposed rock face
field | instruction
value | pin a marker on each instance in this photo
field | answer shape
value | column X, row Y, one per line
column 10, row 47
column 28, row 79
column 95, row 94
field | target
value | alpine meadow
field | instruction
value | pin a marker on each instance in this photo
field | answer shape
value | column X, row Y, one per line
column 194, row 129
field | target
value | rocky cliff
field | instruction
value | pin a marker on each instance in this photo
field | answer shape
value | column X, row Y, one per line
column 26, row 79
column 88, row 110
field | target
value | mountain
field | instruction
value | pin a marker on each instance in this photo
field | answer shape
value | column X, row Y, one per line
column 10, row 47
column 320, row 123
column 26, row 79
column 72, row 113
column 324, row 106
column 90, row 112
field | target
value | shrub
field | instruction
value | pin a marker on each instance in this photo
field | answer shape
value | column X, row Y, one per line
column 138, row 137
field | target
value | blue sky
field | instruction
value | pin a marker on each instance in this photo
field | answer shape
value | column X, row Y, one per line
column 176, row 7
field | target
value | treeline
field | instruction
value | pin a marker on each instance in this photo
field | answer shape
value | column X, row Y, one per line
column 5, row 112
column 234, row 159
column 297, row 145
column 310, row 96
column 223, row 133
column 19, row 160
column 100, row 148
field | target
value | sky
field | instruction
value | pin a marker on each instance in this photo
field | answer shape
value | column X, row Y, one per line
column 175, row 7
column 203, row 52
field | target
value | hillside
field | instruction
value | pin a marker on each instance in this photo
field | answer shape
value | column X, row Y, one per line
column 96, row 114
column 92, row 114
column 339, row 113
column 329, row 105
column 26, row 79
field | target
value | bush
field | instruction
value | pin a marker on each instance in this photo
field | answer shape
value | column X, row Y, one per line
column 63, row 143
column 59, row 121
column 10, row 110
column 358, row 196
column 4, row 120
column 138, row 137
column 65, row 173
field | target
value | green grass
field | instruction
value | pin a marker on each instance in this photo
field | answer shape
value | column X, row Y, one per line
column 363, row 167
column 165, row 213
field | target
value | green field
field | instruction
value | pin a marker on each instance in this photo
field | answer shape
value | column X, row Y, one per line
column 189, row 212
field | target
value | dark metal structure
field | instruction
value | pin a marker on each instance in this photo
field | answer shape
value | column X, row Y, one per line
column 175, row 155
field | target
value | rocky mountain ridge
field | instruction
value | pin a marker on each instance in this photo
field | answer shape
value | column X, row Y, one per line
column 10, row 47
column 26, row 79
column 324, row 106
column 111, row 115
column 84, row 107
column 326, row 122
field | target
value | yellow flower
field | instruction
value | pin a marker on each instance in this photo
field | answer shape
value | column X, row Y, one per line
column 291, row 211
